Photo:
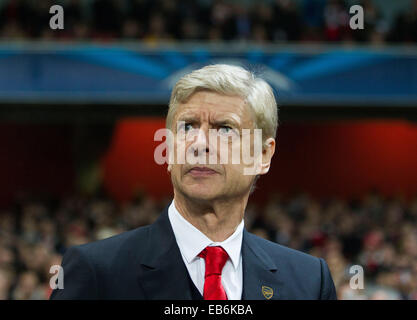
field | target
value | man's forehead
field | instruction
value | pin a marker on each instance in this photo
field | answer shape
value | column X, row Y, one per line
column 207, row 96
column 212, row 105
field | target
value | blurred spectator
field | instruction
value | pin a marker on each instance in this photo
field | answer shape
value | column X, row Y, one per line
column 287, row 24
column 262, row 28
column 107, row 18
column 6, row 281
column 405, row 26
column 157, row 30
column 312, row 16
column 336, row 20
column 27, row 287
column 375, row 27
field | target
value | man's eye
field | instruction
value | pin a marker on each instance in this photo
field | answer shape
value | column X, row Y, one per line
column 225, row 130
column 185, row 126
column 188, row 126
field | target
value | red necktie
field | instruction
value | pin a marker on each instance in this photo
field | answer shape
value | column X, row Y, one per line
column 215, row 258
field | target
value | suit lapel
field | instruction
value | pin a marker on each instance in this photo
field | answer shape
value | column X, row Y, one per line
column 261, row 277
column 164, row 275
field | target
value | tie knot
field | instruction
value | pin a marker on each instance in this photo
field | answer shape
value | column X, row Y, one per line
column 215, row 258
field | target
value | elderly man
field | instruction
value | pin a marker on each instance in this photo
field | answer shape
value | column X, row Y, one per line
column 198, row 248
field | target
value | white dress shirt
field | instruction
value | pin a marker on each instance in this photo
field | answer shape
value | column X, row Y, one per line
column 192, row 241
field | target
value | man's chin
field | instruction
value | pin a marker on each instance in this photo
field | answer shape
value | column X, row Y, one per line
column 201, row 194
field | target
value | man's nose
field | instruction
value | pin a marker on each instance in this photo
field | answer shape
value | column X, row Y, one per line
column 201, row 145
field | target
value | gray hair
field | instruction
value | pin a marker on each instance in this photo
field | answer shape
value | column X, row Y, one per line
column 230, row 80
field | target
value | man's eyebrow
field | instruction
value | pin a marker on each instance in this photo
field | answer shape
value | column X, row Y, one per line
column 187, row 117
column 229, row 120
column 220, row 122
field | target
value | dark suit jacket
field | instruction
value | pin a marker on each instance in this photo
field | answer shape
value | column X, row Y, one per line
column 146, row 263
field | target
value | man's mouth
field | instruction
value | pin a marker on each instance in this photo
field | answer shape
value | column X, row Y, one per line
column 201, row 171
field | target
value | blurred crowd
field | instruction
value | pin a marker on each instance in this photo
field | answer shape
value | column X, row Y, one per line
column 376, row 233
column 206, row 20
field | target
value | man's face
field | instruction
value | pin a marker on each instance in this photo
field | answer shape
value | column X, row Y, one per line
column 228, row 115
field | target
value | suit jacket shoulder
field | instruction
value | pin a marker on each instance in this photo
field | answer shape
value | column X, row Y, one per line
column 92, row 269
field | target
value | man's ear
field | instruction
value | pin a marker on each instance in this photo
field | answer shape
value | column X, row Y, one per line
column 268, row 151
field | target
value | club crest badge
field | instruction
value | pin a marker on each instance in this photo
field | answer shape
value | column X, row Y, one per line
column 267, row 292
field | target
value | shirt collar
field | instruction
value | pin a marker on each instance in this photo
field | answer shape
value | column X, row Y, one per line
column 192, row 241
